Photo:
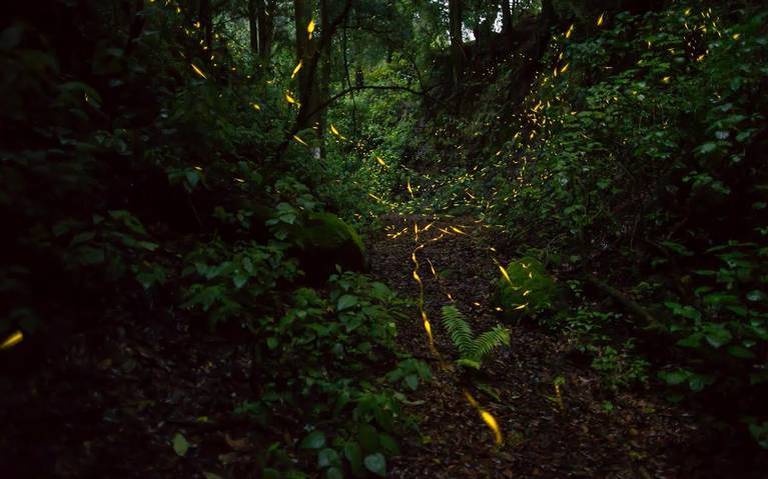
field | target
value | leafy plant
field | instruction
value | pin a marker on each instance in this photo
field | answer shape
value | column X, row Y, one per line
column 472, row 350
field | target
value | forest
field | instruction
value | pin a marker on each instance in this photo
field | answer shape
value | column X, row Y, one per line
column 384, row 238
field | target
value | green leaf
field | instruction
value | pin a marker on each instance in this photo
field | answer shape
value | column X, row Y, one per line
column 269, row 473
column 675, row 377
column 740, row 352
column 756, row 295
column 717, row 335
column 389, row 445
column 468, row 363
column 90, row 255
column 412, row 381
column 180, row 444
column 314, row 440
column 354, row 454
column 692, row 341
column 346, row 301
column 327, row 458
column 239, row 279
column 708, row 147
column 334, row 473
column 272, row 342
column 368, row 437
column 377, row 464
column 698, row 381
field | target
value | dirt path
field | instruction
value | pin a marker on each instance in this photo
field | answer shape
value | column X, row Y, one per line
column 542, row 437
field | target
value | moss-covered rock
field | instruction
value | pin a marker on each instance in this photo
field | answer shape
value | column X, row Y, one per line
column 325, row 241
column 527, row 289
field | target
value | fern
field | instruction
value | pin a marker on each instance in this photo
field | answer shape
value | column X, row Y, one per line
column 471, row 350
column 490, row 340
column 458, row 329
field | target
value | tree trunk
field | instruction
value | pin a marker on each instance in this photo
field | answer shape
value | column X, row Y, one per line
column 265, row 12
column 252, row 26
column 506, row 17
column 206, row 21
column 325, row 73
column 546, row 20
column 305, row 49
column 457, row 44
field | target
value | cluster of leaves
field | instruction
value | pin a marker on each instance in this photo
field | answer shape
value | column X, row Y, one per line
column 139, row 176
column 643, row 136
column 472, row 349
column 653, row 128
column 322, row 359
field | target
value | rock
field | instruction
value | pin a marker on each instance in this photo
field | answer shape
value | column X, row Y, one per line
column 326, row 241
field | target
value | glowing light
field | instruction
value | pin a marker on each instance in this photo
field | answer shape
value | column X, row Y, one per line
column 569, row 32
column 296, row 70
column 199, row 71
column 289, row 98
column 299, row 140
column 505, row 274
column 487, row 417
column 311, row 28
column 600, row 20
column 12, row 340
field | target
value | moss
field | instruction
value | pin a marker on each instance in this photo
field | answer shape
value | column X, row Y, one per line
column 326, row 241
column 529, row 291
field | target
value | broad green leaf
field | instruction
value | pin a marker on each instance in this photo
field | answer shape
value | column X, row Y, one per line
column 314, row 440
column 675, row 377
column 368, row 437
column 740, row 352
column 692, row 341
column 327, row 458
column 412, row 381
column 389, row 445
column 354, row 454
column 377, row 464
column 334, row 473
column 346, row 301
column 180, row 444
column 756, row 295
column 717, row 335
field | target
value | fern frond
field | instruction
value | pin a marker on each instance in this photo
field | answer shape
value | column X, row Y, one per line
column 458, row 329
column 487, row 342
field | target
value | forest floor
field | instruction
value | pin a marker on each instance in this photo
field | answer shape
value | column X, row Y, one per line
column 573, row 436
column 109, row 402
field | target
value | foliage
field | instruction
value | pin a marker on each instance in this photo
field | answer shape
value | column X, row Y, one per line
column 526, row 288
column 472, row 349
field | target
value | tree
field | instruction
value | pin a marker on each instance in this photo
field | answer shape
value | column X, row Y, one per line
column 457, row 43
column 306, row 47
column 506, row 17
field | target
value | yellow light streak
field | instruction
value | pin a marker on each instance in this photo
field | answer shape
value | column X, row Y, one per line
column 12, row 340
column 487, row 417
column 198, row 71
column 310, row 28
column 296, row 70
